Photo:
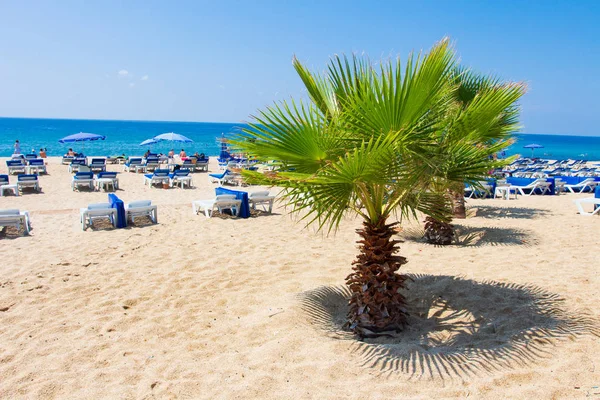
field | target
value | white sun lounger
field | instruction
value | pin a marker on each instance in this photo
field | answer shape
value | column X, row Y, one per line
column 595, row 201
column 97, row 211
column 581, row 186
column 541, row 184
column 28, row 181
column 221, row 202
column 142, row 208
column 261, row 198
column 82, row 179
column 15, row 218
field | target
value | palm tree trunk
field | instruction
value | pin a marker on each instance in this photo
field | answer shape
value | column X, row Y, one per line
column 438, row 232
column 376, row 306
column 457, row 199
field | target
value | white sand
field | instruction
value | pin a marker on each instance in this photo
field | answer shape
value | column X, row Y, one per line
column 212, row 308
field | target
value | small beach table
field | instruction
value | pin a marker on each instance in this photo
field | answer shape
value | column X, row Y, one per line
column 505, row 192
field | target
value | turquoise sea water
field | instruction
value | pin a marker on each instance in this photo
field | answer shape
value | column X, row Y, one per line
column 125, row 137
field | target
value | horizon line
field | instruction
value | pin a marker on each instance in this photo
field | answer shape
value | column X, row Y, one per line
column 231, row 123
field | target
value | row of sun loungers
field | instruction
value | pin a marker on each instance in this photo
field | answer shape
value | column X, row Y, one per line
column 231, row 202
column 23, row 166
column 24, row 181
column 104, row 180
column 138, row 164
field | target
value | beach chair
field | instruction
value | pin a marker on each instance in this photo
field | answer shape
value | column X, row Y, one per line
column 159, row 176
column 82, row 179
column 16, row 218
column 98, row 165
column 15, row 167
column 76, row 164
column 589, row 183
column 220, row 203
column 202, row 165
column 482, row 189
column 26, row 181
column 152, row 163
column 182, row 177
column 539, row 184
column 261, row 198
column 104, row 180
column 132, row 163
column 36, row 166
column 97, row 211
column 189, row 164
column 142, row 208
column 226, row 177
column 595, row 201
column 66, row 160
column 5, row 186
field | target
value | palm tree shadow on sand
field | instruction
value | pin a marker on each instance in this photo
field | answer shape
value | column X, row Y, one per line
column 457, row 327
column 491, row 212
column 478, row 236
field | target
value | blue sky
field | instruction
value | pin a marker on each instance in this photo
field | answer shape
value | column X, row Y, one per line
column 221, row 61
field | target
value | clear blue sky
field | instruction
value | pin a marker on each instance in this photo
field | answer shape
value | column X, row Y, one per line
column 220, row 61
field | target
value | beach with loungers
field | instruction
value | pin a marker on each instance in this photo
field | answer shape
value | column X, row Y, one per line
column 175, row 303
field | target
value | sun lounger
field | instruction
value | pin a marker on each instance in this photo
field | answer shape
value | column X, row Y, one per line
column 15, row 218
column 202, row 165
column 261, row 198
column 26, row 181
column 188, row 164
column 82, row 179
column 220, row 203
column 483, row 189
column 225, row 177
column 15, row 167
column 159, row 176
column 131, row 164
column 181, row 177
column 6, row 187
column 98, row 165
column 595, row 201
column 142, row 208
column 76, row 164
column 97, row 211
column 66, row 160
column 589, row 183
column 538, row 185
column 104, row 180
column 36, row 166
column 152, row 163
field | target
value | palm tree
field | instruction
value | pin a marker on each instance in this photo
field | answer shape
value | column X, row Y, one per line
column 362, row 146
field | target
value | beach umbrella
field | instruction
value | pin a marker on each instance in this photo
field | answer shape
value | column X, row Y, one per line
column 533, row 146
column 148, row 142
column 81, row 137
column 173, row 137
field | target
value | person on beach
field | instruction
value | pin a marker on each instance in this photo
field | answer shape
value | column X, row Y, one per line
column 171, row 154
column 71, row 153
column 42, row 153
column 17, row 147
column 146, row 154
column 182, row 154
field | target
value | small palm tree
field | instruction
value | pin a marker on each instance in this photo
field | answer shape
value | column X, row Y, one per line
column 366, row 145
column 463, row 154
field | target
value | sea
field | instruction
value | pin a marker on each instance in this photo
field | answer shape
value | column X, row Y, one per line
column 124, row 137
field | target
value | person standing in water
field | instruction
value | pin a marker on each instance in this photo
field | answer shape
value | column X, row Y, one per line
column 17, row 147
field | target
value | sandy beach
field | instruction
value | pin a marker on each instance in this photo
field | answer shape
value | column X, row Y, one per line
column 250, row 308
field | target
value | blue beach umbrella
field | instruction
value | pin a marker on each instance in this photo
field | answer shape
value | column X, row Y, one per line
column 533, row 146
column 81, row 137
